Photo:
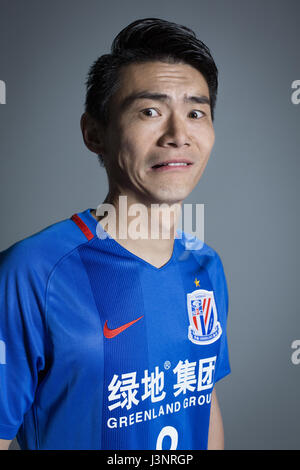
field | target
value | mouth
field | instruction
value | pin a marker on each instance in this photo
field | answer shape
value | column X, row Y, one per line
column 172, row 165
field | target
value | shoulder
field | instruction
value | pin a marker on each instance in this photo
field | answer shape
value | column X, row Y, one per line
column 206, row 257
column 40, row 252
column 209, row 259
column 199, row 249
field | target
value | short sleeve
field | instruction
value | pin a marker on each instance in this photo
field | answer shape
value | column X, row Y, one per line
column 221, row 298
column 22, row 335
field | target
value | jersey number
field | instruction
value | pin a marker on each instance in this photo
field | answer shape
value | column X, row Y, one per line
column 170, row 432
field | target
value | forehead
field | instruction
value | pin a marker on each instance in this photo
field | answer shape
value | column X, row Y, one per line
column 174, row 79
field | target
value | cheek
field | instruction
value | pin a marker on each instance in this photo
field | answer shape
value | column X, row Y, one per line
column 134, row 146
column 119, row 145
column 206, row 140
column 129, row 154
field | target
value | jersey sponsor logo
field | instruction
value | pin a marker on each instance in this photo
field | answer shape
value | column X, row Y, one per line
column 111, row 333
column 204, row 327
column 191, row 384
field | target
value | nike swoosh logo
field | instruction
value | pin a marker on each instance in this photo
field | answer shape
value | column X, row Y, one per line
column 108, row 333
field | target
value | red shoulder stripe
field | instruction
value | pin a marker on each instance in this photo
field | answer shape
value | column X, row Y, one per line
column 83, row 227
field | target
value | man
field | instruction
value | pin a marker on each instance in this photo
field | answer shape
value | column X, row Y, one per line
column 114, row 341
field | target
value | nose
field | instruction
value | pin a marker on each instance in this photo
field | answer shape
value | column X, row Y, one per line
column 175, row 133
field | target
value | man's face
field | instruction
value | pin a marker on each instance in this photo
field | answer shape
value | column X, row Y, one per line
column 159, row 114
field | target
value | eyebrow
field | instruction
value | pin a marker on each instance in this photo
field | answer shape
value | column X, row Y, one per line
column 202, row 99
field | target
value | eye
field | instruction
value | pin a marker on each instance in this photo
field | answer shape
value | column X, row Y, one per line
column 196, row 114
column 151, row 112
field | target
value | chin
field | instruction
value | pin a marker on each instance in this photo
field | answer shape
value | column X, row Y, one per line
column 175, row 195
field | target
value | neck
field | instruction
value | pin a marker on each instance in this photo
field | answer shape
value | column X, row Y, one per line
column 144, row 228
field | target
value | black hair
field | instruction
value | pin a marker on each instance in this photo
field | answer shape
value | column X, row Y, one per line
column 144, row 40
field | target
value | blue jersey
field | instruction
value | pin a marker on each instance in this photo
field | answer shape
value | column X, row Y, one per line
column 99, row 349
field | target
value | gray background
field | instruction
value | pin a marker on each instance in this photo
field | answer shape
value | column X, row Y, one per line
column 250, row 187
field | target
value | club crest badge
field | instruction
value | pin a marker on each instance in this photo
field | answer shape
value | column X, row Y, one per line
column 204, row 327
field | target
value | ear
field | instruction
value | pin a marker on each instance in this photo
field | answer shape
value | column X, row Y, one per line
column 92, row 134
